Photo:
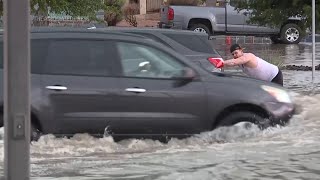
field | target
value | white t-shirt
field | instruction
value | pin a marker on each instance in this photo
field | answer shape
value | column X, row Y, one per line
column 264, row 70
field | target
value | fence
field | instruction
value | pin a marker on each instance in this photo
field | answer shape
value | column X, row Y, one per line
column 241, row 40
column 153, row 5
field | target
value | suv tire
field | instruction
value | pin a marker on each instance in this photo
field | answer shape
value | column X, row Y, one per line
column 244, row 116
column 34, row 133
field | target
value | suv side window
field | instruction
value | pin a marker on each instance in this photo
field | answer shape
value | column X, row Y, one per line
column 39, row 49
column 79, row 57
column 141, row 61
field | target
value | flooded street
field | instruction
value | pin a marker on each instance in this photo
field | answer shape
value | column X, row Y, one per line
column 238, row 152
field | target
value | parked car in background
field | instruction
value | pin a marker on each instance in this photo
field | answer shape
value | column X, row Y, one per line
column 126, row 86
column 195, row 46
column 223, row 19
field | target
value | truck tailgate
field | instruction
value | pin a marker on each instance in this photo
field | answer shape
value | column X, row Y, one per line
column 164, row 14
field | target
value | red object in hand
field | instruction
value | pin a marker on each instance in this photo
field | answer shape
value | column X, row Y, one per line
column 217, row 62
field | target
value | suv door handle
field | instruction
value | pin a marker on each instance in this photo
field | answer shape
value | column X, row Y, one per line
column 136, row 90
column 57, row 88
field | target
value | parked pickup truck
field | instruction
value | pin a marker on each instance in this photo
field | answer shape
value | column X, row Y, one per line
column 221, row 18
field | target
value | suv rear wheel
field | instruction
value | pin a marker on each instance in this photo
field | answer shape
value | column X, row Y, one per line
column 34, row 133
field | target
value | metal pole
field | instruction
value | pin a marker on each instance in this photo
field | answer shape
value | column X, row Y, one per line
column 16, row 89
column 313, row 37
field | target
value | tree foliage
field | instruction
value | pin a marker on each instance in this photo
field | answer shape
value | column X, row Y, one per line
column 129, row 11
column 113, row 13
column 275, row 12
column 74, row 8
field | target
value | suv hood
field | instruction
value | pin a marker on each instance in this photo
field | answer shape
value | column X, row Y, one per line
column 239, row 80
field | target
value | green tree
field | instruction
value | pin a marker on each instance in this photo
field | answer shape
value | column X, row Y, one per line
column 74, row 8
column 275, row 12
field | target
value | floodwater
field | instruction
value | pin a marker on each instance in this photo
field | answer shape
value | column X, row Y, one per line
column 238, row 152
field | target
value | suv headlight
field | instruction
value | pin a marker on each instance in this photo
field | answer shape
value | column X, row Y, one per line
column 280, row 94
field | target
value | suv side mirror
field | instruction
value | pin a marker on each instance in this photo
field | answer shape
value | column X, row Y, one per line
column 187, row 74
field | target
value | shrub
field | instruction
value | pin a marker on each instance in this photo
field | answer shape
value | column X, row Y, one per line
column 129, row 11
column 113, row 13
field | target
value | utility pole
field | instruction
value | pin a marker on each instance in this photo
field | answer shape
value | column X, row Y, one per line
column 16, row 89
column 313, row 37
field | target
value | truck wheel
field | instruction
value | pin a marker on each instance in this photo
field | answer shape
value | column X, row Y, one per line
column 200, row 28
column 291, row 34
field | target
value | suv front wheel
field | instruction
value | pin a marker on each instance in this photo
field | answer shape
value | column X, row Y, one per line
column 245, row 116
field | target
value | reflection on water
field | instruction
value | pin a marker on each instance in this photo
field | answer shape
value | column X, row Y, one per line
column 238, row 152
column 301, row 81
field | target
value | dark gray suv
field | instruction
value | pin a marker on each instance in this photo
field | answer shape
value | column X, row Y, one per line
column 90, row 81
